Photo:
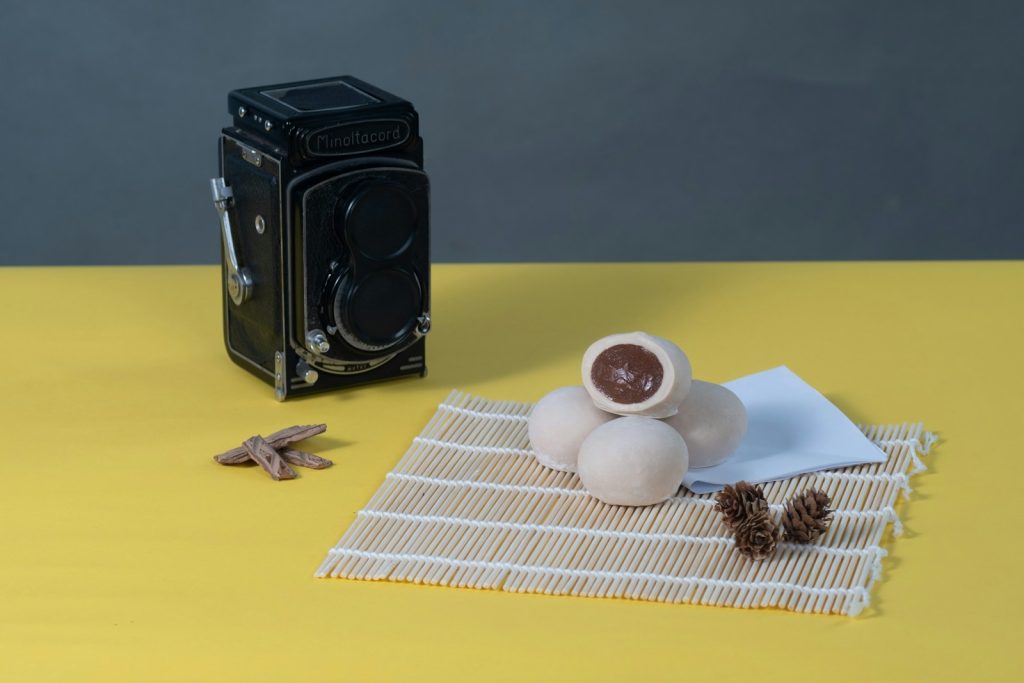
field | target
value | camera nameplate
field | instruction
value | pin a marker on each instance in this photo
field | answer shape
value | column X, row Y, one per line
column 357, row 137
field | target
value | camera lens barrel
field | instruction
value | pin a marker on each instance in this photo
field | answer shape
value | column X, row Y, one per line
column 379, row 310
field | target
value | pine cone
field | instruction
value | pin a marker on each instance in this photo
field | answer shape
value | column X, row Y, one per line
column 757, row 536
column 740, row 502
column 806, row 516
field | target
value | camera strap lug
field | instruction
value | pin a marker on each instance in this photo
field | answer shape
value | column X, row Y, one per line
column 280, row 377
column 239, row 280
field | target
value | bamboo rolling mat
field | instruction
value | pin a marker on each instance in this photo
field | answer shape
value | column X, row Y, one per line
column 469, row 506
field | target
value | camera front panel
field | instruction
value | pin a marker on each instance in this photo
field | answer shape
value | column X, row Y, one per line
column 253, row 330
column 362, row 267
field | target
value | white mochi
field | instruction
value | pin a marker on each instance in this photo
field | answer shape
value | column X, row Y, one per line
column 636, row 374
column 633, row 461
column 559, row 423
column 712, row 421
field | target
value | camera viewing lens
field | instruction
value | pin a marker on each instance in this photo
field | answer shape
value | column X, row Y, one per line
column 381, row 221
column 382, row 309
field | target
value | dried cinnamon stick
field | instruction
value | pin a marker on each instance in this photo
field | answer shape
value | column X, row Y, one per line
column 303, row 459
column 269, row 459
column 278, row 439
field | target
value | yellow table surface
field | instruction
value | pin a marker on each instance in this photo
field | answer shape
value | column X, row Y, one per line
column 126, row 554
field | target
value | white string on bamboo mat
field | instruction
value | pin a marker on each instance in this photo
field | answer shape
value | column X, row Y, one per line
column 469, row 506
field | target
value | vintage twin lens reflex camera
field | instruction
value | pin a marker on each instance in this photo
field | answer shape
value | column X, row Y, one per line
column 324, row 211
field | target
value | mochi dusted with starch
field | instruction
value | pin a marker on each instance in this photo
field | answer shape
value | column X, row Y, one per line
column 559, row 423
column 636, row 374
column 712, row 421
column 633, row 461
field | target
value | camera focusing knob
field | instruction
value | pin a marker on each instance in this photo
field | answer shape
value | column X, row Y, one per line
column 239, row 286
column 308, row 374
column 423, row 324
column 317, row 342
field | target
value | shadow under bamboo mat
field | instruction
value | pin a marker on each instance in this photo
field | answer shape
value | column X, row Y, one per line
column 469, row 506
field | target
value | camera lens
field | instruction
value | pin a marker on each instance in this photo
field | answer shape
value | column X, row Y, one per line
column 379, row 310
column 381, row 221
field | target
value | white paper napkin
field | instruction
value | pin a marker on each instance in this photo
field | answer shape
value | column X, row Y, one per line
column 791, row 429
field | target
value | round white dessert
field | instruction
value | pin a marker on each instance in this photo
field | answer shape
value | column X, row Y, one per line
column 712, row 421
column 559, row 423
column 633, row 461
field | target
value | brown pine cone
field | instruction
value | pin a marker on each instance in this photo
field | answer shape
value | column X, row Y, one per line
column 806, row 516
column 738, row 503
column 757, row 536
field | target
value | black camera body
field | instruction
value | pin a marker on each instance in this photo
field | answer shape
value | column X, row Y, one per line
column 324, row 209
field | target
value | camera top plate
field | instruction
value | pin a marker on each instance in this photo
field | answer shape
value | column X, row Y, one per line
column 316, row 120
column 304, row 100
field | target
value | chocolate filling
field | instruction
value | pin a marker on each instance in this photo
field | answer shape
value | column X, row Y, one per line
column 627, row 373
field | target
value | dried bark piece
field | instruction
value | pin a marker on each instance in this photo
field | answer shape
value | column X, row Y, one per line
column 269, row 459
column 304, row 459
column 278, row 439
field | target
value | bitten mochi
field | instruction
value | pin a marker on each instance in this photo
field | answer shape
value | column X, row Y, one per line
column 636, row 374
column 633, row 461
column 712, row 421
column 559, row 423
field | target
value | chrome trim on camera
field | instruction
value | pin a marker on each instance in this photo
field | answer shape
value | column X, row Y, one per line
column 342, row 367
column 316, row 341
column 280, row 385
column 251, row 155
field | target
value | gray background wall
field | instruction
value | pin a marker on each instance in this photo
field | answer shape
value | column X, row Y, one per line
column 636, row 130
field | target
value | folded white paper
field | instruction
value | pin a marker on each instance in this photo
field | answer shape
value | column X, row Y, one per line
column 791, row 429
